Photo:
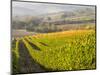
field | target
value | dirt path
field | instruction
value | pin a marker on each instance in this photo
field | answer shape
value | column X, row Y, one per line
column 26, row 62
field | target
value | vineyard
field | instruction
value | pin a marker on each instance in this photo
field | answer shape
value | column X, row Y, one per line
column 57, row 51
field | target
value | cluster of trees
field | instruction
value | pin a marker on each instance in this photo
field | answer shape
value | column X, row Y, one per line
column 18, row 24
column 36, row 25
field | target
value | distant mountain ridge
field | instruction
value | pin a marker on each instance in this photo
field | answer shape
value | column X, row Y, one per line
column 57, row 15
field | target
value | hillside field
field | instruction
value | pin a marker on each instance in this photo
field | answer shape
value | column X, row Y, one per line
column 57, row 51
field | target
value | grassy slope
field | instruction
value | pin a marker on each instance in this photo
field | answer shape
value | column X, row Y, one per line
column 15, row 56
column 69, row 50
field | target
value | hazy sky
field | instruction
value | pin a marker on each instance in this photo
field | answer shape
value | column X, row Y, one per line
column 30, row 8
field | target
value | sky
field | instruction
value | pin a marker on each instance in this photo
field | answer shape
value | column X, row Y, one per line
column 33, row 8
